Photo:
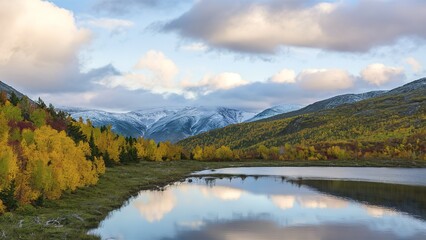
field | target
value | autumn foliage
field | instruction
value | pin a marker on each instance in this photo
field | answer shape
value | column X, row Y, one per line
column 44, row 152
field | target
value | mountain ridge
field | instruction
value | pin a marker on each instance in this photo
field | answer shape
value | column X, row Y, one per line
column 8, row 89
column 395, row 114
column 175, row 124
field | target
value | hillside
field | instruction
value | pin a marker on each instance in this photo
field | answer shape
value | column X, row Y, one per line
column 329, row 104
column 8, row 89
column 397, row 114
column 274, row 111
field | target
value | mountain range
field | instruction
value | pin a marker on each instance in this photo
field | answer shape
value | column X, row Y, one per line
column 175, row 124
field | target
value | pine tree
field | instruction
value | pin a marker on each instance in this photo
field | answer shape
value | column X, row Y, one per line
column 7, row 196
column 14, row 99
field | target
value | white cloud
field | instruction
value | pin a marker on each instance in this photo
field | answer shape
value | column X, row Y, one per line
column 284, row 76
column 156, row 62
column 39, row 45
column 154, row 72
column 378, row 74
column 195, row 47
column 325, row 79
column 264, row 26
column 113, row 25
column 416, row 66
column 157, row 73
column 222, row 81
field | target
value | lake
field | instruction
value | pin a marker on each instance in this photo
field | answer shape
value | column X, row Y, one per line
column 278, row 206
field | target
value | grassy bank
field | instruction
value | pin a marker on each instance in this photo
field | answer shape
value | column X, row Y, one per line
column 75, row 213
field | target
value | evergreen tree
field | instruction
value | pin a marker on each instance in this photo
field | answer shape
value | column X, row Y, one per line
column 7, row 196
column 93, row 148
column 14, row 99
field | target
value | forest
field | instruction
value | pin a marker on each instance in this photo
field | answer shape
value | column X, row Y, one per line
column 44, row 152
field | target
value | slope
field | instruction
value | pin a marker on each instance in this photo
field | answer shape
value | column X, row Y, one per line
column 398, row 113
column 8, row 89
column 329, row 104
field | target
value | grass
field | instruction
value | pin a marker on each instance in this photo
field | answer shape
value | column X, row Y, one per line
column 77, row 212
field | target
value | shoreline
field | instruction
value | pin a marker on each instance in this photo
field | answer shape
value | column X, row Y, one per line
column 72, row 216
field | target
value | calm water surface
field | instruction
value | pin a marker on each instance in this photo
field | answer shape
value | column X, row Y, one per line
column 270, row 208
column 410, row 176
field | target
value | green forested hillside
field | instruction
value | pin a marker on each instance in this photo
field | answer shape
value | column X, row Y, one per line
column 395, row 121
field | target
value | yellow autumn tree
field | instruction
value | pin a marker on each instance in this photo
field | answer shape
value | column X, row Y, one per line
column 141, row 145
column 209, row 153
column 224, row 153
column 197, row 153
column 55, row 163
column 8, row 159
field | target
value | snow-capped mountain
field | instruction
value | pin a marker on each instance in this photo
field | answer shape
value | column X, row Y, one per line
column 270, row 112
column 163, row 124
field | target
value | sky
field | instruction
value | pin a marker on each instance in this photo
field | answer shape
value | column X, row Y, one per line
column 123, row 55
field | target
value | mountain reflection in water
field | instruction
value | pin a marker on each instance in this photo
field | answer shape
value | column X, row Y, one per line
column 270, row 208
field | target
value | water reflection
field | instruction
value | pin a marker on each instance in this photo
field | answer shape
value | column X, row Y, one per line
column 154, row 205
column 404, row 198
column 264, row 229
column 221, row 192
column 266, row 208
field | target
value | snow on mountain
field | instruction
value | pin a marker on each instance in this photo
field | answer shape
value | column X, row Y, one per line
column 163, row 124
column 330, row 103
column 415, row 85
column 270, row 112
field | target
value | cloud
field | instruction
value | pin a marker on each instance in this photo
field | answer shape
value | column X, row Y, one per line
column 416, row 66
column 113, row 25
column 325, row 79
column 157, row 73
column 222, row 81
column 378, row 74
column 284, row 76
column 254, row 26
column 154, row 72
column 39, row 46
column 159, row 64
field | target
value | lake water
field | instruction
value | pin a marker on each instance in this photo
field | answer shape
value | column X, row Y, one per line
column 409, row 176
column 270, row 207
